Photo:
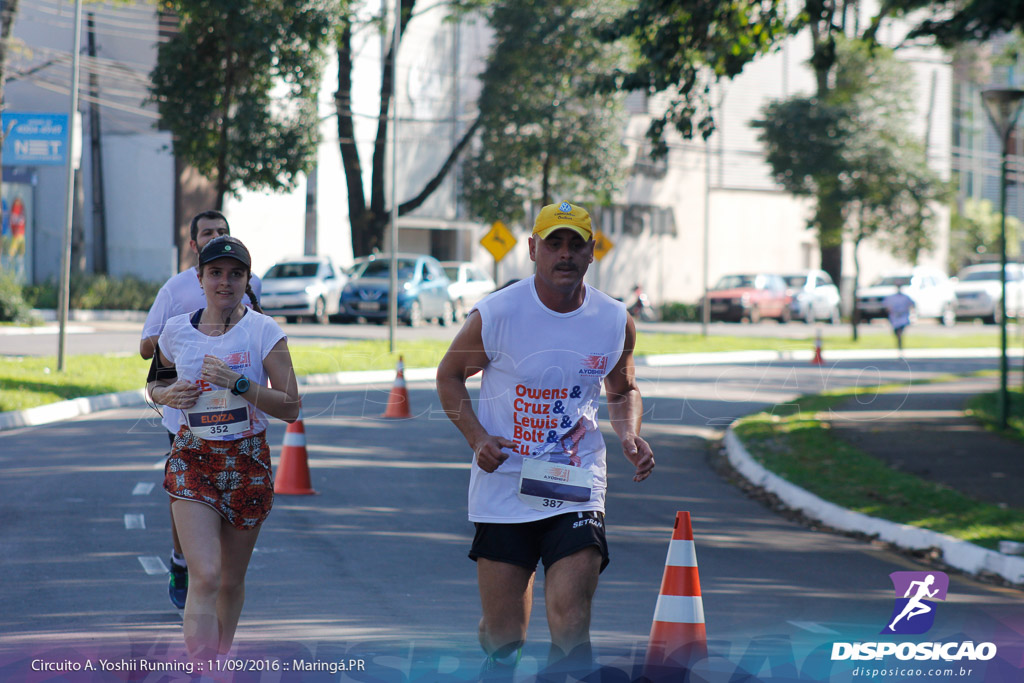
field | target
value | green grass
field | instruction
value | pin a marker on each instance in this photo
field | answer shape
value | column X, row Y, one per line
column 796, row 443
column 25, row 382
column 985, row 409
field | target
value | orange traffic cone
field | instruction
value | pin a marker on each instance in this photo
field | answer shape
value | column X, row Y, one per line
column 817, row 360
column 678, row 637
column 293, row 471
column 398, row 399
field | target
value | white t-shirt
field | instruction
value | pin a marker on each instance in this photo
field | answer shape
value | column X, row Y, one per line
column 181, row 294
column 243, row 348
column 898, row 306
column 541, row 390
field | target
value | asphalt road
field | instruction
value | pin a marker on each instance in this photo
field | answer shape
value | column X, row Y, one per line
column 374, row 566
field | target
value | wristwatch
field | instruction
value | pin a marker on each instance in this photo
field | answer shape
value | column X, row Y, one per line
column 241, row 386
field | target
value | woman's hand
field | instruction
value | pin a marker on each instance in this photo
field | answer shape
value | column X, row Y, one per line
column 181, row 395
column 216, row 371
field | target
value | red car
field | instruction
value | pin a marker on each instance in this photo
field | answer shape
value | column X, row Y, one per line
column 749, row 297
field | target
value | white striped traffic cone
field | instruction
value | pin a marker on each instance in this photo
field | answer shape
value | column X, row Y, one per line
column 678, row 636
column 293, row 470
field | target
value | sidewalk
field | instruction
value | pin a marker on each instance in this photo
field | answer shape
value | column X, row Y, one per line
column 925, row 432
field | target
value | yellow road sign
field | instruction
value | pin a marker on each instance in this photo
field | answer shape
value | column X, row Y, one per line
column 498, row 240
column 602, row 245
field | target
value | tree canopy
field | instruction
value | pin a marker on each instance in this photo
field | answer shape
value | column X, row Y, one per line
column 545, row 132
column 237, row 84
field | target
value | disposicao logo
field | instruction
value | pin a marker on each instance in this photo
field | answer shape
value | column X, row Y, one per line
column 913, row 613
column 914, row 610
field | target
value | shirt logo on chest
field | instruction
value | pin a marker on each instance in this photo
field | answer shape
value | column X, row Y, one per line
column 595, row 364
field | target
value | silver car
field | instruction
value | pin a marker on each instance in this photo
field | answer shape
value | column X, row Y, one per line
column 979, row 289
column 813, row 297
column 304, row 287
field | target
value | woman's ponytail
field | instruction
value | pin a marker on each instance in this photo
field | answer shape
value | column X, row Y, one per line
column 252, row 298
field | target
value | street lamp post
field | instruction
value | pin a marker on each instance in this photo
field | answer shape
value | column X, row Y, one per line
column 1003, row 107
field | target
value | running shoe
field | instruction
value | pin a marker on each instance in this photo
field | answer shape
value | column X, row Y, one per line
column 178, row 586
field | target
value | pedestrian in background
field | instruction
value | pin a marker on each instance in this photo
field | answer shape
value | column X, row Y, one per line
column 213, row 367
column 183, row 294
column 899, row 306
column 545, row 345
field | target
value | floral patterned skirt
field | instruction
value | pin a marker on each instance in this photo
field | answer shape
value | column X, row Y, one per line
column 232, row 477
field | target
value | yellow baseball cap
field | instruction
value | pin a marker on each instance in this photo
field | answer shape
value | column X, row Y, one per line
column 564, row 215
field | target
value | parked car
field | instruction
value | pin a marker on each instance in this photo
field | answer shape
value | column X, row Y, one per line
column 469, row 284
column 308, row 286
column 749, row 297
column 979, row 290
column 813, row 296
column 422, row 290
column 930, row 289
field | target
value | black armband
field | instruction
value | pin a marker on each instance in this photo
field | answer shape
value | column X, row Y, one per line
column 160, row 372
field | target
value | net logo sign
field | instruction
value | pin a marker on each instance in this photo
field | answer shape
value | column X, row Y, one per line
column 914, row 610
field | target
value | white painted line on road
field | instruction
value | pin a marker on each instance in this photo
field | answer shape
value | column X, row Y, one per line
column 134, row 521
column 152, row 564
column 813, row 627
column 143, row 488
column 160, row 464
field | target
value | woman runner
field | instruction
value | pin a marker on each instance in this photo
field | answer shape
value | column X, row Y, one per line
column 214, row 365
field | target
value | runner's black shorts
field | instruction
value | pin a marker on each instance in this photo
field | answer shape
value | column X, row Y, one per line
column 548, row 539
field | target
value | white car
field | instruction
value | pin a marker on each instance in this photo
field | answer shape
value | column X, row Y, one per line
column 307, row 286
column 930, row 289
column 813, row 296
column 979, row 289
column 469, row 284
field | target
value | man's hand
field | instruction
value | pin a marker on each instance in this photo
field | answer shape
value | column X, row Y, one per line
column 639, row 452
column 181, row 395
column 489, row 455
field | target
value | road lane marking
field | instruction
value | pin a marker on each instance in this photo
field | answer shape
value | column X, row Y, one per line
column 152, row 564
column 134, row 521
column 813, row 627
column 143, row 488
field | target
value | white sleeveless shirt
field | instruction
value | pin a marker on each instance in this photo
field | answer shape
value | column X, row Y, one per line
column 541, row 390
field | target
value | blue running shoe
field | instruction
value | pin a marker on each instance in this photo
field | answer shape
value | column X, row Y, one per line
column 178, row 586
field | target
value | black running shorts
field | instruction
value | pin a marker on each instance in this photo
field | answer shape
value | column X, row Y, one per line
column 548, row 539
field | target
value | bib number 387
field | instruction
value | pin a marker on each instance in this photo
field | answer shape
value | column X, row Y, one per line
column 550, row 486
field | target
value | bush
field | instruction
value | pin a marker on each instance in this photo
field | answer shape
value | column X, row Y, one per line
column 13, row 307
column 678, row 312
column 92, row 292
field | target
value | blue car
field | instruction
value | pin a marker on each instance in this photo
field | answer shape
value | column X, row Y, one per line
column 422, row 290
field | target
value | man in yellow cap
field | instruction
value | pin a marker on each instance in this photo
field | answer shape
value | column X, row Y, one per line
column 545, row 345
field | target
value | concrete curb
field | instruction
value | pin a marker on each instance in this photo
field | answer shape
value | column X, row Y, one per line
column 85, row 315
column 960, row 554
column 65, row 410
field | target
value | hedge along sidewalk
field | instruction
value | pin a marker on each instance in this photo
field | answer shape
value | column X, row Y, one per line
column 911, row 513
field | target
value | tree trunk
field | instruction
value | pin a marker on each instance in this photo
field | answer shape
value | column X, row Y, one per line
column 8, row 10
column 359, row 217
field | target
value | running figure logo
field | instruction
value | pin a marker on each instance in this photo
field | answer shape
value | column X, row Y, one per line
column 914, row 611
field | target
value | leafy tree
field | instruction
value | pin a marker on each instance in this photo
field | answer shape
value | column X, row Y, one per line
column 237, row 87
column 685, row 45
column 975, row 231
column 853, row 151
column 545, row 133
column 958, row 21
